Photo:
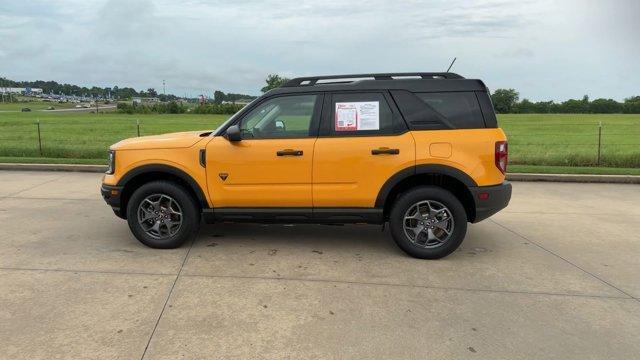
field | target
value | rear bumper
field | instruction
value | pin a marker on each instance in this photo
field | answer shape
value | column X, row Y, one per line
column 111, row 195
column 490, row 199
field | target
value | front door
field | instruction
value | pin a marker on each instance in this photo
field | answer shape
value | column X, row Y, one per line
column 362, row 142
column 271, row 165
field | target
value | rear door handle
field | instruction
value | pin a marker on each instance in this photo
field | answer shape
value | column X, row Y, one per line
column 386, row 151
column 289, row 152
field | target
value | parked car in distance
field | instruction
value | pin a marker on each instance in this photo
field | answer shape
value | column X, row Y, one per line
column 420, row 151
column 25, row 109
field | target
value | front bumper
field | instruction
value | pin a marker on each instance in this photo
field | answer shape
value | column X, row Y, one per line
column 490, row 199
column 111, row 194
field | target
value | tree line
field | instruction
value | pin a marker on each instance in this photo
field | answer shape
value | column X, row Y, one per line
column 53, row 87
column 507, row 101
column 219, row 97
column 118, row 93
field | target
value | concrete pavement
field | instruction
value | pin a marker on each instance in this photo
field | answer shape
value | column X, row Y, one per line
column 554, row 275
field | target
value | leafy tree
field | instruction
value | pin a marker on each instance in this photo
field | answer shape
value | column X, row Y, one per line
column 126, row 93
column 233, row 97
column 151, row 92
column 504, row 100
column 218, row 97
column 546, row 107
column 172, row 107
column 525, row 107
column 631, row 105
column 274, row 81
column 168, row 97
column 605, row 106
column 573, row 106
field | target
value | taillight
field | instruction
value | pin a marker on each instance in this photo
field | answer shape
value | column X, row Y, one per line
column 502, row 156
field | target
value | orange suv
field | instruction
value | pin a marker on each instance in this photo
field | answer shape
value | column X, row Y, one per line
column 421, row 151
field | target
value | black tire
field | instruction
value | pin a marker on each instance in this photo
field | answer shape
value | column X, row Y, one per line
column 406, row 201
column 186, row 231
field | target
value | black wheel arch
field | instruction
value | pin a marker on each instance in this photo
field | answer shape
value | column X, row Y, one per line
column 450, row 178
column 151, row 172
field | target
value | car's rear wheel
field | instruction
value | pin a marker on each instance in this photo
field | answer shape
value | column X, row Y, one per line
column 163, row 214
column 428, row 222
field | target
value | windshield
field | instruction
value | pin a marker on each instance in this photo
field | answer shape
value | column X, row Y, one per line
column 231, row 119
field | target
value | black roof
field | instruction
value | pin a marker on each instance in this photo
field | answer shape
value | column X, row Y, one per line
column 415, row 82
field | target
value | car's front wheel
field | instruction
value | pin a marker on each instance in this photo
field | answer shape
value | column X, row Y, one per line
column 428, row 222
column 163, row 214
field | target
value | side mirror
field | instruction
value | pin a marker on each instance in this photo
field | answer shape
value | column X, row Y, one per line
column 233, row 133
column 280, row 126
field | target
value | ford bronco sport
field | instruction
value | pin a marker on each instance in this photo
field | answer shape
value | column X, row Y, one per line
column 421, row 151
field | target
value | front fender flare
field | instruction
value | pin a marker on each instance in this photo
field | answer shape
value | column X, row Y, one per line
column 162, row 168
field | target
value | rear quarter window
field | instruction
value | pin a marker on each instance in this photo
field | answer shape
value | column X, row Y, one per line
column 461, row 109
column 440, row 110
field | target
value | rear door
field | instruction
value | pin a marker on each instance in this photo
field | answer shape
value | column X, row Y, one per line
column 362, row 142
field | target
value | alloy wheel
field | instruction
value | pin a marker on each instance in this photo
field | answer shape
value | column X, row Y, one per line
column 160, row 216
column 428, row 224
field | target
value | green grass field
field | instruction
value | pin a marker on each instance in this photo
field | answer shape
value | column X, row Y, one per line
column 572, row 139
column 86, row 135
column 548, row 140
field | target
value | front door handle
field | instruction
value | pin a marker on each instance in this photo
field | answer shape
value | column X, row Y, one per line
column 385, row 150
column 289, row 152
column 202, row 158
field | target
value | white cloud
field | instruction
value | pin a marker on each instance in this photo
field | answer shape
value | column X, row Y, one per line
column 545, row 49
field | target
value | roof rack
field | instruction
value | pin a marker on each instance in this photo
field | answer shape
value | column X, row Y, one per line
column 313, row 80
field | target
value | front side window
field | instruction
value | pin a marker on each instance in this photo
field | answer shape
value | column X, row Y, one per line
column 281, row 117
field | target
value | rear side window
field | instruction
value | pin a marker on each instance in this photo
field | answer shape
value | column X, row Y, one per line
column 461, row 109
column 440, row 110
column 357, row 114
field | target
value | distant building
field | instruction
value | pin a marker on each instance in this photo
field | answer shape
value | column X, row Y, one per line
column 24, row 90
column 147, row 100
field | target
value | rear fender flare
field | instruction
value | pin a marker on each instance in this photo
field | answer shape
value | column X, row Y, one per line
column 406, row 173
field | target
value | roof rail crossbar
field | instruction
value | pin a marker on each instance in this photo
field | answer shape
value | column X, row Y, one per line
column 313, row 80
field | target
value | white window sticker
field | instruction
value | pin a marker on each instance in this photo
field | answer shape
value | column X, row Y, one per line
column 346, row 117
column 352, row 116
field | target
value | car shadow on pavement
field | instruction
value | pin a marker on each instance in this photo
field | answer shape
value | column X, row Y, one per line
column 315, row 238
column 360, row 239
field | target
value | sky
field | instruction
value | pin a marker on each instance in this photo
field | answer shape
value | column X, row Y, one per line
column 545, row 49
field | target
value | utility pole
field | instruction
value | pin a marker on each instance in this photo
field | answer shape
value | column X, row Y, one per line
column 164, row 90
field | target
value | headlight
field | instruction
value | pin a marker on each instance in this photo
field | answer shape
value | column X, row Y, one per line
column 112, row 162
